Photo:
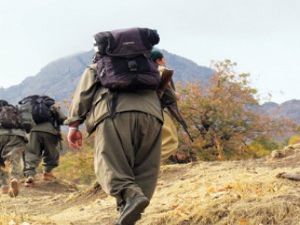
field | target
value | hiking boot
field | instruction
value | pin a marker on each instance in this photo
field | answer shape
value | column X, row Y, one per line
column 132, row 210
column 13, row 188
column 48, row 176
column 29, row 182
column 4, row 189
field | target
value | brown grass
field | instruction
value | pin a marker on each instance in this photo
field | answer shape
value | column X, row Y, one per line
column 204, row 193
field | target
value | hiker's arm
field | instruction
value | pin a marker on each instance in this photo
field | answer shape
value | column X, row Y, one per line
column 80, row 106
column 83, row 97
column 74, row 136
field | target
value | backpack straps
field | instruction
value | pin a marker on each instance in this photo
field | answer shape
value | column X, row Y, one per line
column 112, row 102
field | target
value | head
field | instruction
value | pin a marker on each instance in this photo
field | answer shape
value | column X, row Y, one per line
column 158, row 58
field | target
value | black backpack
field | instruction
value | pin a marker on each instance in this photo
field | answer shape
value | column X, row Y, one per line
column 9, row 116
column 124, row 62
column 40, row 108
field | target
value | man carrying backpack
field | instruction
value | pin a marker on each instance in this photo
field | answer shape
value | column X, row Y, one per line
column 44, row 141
column 117, row 99
column 12, row 146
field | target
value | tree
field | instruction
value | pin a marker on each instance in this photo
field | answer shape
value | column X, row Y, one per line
column 222, row 115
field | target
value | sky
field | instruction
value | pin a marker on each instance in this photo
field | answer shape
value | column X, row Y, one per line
column 262, row 36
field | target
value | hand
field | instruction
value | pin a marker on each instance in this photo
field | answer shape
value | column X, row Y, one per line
column 75, row 138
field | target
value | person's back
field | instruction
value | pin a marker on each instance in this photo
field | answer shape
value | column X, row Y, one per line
column 12, row 146
column 44, row 143
column 127, row 129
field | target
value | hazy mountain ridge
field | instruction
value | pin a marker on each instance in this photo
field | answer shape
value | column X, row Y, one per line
column 289, row 109
column 58, row 79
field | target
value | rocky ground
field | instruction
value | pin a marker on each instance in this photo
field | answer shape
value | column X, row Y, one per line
column 253, row 192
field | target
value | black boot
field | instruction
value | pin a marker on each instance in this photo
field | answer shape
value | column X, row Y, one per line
column 133, row 209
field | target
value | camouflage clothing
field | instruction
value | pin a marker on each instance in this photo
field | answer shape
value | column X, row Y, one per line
column 13, row 132
column 12, row 148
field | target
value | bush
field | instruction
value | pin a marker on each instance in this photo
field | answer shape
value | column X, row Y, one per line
column 294, row 140
column 223, row 116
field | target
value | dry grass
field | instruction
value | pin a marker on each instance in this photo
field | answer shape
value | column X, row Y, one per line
column 77, row 167
column 204, row 193
column 229, row 193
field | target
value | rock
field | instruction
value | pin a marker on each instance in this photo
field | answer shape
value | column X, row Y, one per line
column 277, row 154
column 288, row 150
column 294, row 177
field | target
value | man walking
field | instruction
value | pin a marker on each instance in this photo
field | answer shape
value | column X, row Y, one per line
column 12, row 146
column 44, row 141
column 127, row 124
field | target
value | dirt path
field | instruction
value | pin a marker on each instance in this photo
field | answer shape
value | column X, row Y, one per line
column 57, row 202
column 215, row 193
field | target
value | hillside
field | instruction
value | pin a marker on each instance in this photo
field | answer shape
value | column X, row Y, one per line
column 203, row 193
column 59, row 78
column 289, row 109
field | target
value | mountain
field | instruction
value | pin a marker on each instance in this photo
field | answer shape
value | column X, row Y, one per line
column 289, row 109
column 58, row 79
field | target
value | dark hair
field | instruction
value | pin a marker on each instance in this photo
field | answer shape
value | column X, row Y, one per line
column 156, row 55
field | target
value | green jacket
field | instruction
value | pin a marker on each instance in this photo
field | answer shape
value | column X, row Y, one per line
column 90, row 102
column 13, row 132
column 45, row 127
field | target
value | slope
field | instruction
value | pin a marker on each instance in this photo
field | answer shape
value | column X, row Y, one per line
column 289, row 109
column 203, row 193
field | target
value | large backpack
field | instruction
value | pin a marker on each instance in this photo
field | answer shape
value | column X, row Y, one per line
column 124, row 63
column 40, row 108
column 9, row 116
column 25, row 110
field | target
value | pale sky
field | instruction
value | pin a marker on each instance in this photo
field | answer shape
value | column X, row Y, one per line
column 262, row 36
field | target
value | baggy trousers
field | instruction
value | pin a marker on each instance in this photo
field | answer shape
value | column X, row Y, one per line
column 127, row 156
column 44, row 146
column 11, row 151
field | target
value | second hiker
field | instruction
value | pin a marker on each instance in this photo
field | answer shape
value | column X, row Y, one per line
column 169, row 130
column 44, row 140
